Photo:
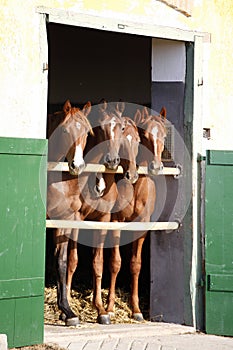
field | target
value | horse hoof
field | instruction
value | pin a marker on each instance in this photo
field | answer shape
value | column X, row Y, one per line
column 104, row 319
column 62, row 317
column 138, row 317
column 111, row 314
column 74, row 321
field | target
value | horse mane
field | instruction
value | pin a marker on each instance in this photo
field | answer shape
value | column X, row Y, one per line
column 129, row 121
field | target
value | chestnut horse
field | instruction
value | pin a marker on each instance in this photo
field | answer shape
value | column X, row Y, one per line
column 67, row 134
column 110, row 137
column 136, row 202
column 125, row 183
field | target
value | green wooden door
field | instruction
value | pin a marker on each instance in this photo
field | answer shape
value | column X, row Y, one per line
column 22, row 239
column 219, row 242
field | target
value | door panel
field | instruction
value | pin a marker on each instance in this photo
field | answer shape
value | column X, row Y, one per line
column 23, row 164
column 219, row 242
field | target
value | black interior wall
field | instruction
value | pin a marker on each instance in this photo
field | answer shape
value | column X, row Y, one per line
column 167, row 255
column 87, row 64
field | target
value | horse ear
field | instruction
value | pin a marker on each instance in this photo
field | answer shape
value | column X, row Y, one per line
column 138, row 117
column 67, row 107
column 145, row 113
column 103, row 105
column 87, row 109
column 120, row 107
column 163, row 113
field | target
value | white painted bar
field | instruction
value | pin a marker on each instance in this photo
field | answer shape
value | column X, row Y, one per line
column 100, row 168
column 126, row 226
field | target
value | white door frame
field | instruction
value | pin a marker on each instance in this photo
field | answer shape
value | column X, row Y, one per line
column 153, row 31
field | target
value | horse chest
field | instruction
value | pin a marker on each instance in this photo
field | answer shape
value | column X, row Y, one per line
column 145, row 196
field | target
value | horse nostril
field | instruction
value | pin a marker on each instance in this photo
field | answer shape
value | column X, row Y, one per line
column 76, row 169
column 117, row 160
column 155, row 166
column 72, row 166
column 107, row 158
column 152, row 166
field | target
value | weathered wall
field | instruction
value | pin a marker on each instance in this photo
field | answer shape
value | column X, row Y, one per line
column 20, row 66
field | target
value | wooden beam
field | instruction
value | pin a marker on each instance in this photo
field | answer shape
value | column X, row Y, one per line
column 125, row 226
column 100, row 168
column 118, row 25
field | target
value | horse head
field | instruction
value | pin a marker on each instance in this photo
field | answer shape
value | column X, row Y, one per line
column 152, row 132
column 69, row 128
column 110, row 132
column 129, row 150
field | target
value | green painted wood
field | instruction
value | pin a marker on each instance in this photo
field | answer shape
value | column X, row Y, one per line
column 30, row 325
column 23, row 146
column 18, row 288
column 222, row 283
column 219, row 243
column 220, row 157
column 22, row 236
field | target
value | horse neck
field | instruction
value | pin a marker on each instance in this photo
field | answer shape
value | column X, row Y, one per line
column 92, row 151
column 141, row 161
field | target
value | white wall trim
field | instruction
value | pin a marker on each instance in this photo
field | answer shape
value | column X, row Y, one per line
column 197, row 150
column 118, row 25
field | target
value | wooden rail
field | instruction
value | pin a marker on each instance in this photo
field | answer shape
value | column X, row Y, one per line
column 125, row 226
column 100, row 168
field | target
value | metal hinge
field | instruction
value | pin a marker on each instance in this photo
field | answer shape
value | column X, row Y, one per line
column 201, row 283
column 200, row 82
column 45, row 67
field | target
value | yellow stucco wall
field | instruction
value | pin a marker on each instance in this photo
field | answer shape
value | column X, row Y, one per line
column 20, row 66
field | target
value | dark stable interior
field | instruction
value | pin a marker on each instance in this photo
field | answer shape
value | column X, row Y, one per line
column 88, row 65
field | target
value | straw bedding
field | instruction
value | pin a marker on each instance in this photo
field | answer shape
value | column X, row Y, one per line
column 81, row 304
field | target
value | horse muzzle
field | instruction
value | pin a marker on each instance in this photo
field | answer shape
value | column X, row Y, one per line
column 155, row 167
column 111, row 162
column 76, row 169
column 132, row 178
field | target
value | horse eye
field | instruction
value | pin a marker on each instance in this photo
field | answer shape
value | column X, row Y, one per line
column 65, row 130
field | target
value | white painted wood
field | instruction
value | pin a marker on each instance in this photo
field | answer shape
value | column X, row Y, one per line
column 117, row 25
column 126, row 226
column 168, row 60
column 43, row 42
column 99, row 168
column 197, row 148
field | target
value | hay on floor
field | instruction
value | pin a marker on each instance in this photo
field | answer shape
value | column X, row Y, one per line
column 81, row 304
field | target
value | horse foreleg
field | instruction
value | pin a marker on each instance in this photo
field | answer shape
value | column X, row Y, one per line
column 135, row 268
column 114, row 267
column 98, row 261
column 72, row 261
column 61, row 241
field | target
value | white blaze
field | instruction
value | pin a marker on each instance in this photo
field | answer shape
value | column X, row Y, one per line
column 113, row 124
column 78, row 156
column 129, row 138
column 154, row 132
